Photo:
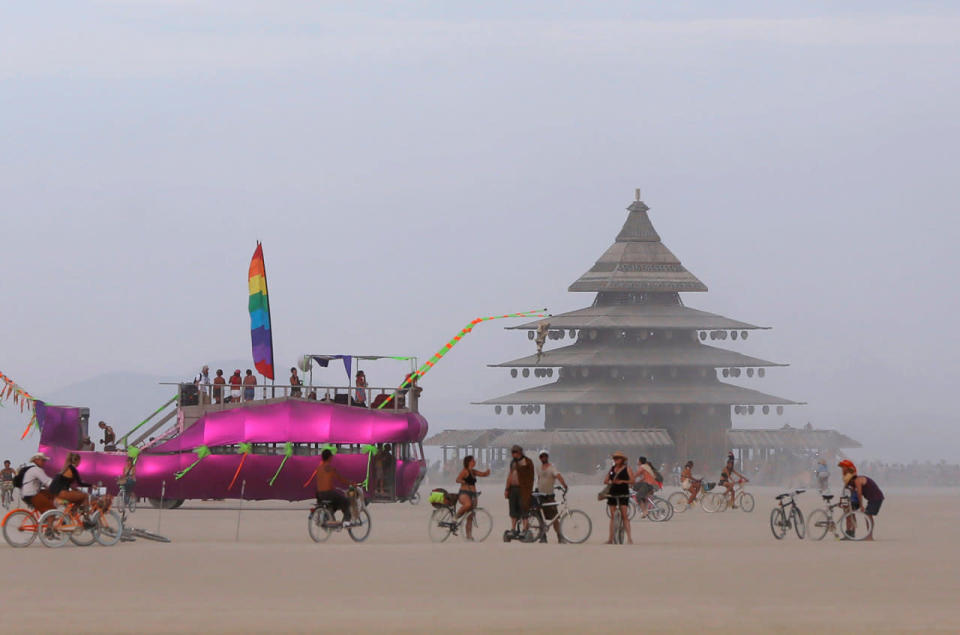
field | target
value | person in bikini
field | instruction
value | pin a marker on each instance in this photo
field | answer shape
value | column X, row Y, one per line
column 467, row 479
column 726, row 479
column 327, row 477
column 61, row 487
column 690, row 483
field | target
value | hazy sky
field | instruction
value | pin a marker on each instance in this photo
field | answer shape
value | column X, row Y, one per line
column 413, row 166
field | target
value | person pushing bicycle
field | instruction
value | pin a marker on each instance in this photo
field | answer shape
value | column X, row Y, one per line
column 547, row 476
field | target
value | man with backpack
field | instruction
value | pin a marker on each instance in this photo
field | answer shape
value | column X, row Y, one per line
column 33, row 483
column 648, row 481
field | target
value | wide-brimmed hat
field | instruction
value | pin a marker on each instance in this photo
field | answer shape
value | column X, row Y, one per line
column 39, row 455
column 618, row 454
column 848, row 464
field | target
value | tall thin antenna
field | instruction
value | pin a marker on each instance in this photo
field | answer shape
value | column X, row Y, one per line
column 637, row 192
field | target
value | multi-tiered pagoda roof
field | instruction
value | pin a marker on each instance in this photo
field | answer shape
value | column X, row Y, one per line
column 639, row 357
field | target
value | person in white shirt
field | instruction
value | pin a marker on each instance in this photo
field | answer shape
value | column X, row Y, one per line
column 203, row 384
column 35, row 484
column 547, row 477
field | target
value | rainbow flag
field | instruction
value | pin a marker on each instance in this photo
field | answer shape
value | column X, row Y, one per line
column 260, row 334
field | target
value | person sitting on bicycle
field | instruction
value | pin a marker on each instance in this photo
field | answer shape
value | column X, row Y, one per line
column 619, row 479
column 467, row 480
column 547, row 477
column 646, row 484
column 61, row 487
column 689, row 483
column 327, row 476
column 128, row 478
column 726, row 479
column 35, row 483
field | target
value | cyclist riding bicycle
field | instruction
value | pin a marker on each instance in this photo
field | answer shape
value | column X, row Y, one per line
column 619, row 479
column 61, row 487
column 690, row 483
column 646, row 484
column 35, row 483
column 327, row 475
column 726, row 479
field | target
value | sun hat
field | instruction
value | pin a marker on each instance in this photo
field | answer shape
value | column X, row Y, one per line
column 39, row 455
column 620, row 454
column 847, row 463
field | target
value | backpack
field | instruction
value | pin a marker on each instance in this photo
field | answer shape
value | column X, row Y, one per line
column 657, row 476
column 18, row 479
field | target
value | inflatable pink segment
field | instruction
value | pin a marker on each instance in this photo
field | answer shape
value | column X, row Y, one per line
column 294, row 421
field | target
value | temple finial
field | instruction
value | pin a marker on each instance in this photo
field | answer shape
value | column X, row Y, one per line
column 637, row 193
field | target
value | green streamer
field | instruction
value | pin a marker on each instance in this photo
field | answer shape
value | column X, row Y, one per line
column 287, row 453
column 369, row 450
column 202, row 452
column 332, row 448
column 244, row 448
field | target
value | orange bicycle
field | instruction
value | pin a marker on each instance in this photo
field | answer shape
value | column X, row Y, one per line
column 98, row 524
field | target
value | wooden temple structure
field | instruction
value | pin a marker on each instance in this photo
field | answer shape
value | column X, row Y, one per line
column 639, row 358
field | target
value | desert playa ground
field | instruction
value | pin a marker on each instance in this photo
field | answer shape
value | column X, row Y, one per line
column 721, row 572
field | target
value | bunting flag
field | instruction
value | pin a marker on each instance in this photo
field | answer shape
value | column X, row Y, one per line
column 430, row 363
column 10, row 388
column 261, row 336
column 202, row 452
column 244, row 449
column 287, row 453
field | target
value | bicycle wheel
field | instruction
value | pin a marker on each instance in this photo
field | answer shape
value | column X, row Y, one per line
column 442, row 523
column 360, row 532
column 778, row 523
column 20, row 528
column 535, row 526
column 575, row 526
column 818, row 524
column 796, row 517
column 83, row 536
column 131, row 504
column 108, row 527
column 7, row 499
column 678, row 500
column 618, row 530
column 317, row 523
column 747, row 502
column 661, row 510
column 49, row 533
column 856, row 525
column 482, row 524
column 415, row 499
column 711, row 502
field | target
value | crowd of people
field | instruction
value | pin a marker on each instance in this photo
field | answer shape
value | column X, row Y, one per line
column 243, row 387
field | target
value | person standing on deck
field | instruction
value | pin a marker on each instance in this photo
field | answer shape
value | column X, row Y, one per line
column 202, row 382
column 295, row 390
column 249, row 385
column 218, row 383
column 360, row 396
column 235, row 381
column 109, row 437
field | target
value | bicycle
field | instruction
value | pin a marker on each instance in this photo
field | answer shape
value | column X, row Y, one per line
column 839, row 519
column 321, row 523
column 680, row 501
column 6, row 494
column 444, row 522
column 573, row 525
column 81, row 527
column 619, row 530
column 782, row 520
column 658, row 509
column 127, row 499
column 742, row 500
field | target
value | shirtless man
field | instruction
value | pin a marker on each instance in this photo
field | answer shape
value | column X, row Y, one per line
column 327, row 476
column 726, row 479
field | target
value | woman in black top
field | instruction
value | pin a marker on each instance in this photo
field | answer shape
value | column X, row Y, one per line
column 619, row 478
column 60, row 486
column 467, row 480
